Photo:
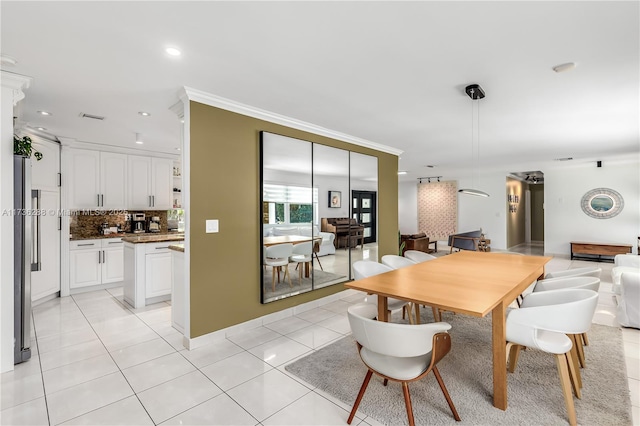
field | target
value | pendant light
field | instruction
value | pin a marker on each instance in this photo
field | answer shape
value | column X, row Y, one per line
column 476, row 93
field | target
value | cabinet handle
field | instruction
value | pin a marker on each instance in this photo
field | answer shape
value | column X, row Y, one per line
column 102, row 200
column 114, row 242
column 98, row 200
column 149, row 200
column 99, row 257
column 104, row 258
column 87, row 244
column 153, row 201
column 160, row 248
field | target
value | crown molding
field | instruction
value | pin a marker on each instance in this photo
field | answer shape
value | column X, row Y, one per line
column 237, row 107
column 15, row 82
column 74, row 143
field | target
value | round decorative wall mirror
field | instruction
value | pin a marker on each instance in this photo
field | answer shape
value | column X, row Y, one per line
column 602, row 203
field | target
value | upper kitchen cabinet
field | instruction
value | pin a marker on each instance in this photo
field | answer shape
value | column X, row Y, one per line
column 151, row 185
column 97, row 180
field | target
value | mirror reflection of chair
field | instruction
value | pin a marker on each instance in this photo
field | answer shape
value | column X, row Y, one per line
column 400, row 352
column 418, row 256
column 544, row 322
column 302, row 255
column 367, row 268
column 277, row 256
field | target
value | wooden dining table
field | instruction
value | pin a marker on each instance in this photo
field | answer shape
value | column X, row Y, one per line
column 467, row 282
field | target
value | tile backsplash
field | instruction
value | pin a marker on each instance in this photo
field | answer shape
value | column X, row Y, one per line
column 85, row 224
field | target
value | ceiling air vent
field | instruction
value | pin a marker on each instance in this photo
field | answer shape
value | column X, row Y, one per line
column 91, row 116
column 564, row 159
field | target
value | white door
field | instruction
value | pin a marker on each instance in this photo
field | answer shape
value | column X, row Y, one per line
column 139, row 182
column 44, row 177
column 158, row 274
column 85, row 267
column 112, row 264
column 83, row 179
column 113, row 180
column 162, row 184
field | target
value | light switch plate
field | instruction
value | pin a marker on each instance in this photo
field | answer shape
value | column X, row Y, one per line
column 211, row 226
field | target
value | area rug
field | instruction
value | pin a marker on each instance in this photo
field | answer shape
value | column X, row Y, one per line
column 534, row 392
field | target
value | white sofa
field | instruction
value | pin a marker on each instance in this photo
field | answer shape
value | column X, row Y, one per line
column 326, row 246
column 629, row 300
column 623, row 263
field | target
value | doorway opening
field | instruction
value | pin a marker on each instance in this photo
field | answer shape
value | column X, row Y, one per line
column 525, row 209
column 363, row 210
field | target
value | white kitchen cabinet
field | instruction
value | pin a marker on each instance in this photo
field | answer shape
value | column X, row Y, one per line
column 45, row 178
column 158, row 277
column 96, row 179
column 95, row 262
column 147, row 272
column 178, row 293
column 151, row 183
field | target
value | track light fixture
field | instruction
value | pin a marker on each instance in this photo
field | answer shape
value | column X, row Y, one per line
column 428, row 178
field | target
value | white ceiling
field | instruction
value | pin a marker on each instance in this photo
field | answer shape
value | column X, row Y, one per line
column 390, row 72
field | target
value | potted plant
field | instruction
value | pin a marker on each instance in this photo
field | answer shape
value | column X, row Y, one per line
column 24, row 147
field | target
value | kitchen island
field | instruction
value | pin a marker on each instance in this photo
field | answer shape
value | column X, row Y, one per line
column 148, row 268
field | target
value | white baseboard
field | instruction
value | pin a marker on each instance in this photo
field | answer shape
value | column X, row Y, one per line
column 218, row 335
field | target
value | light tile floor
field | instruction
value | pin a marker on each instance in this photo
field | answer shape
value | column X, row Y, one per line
column 96, row 361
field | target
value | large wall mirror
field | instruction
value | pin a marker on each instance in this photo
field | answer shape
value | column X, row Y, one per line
column 318, row 214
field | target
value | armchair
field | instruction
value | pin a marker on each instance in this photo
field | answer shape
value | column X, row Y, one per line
column 416, row 242
column 465, row 240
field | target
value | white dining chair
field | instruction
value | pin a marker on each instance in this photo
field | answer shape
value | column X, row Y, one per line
column 545, row 321
column 396, row 262
column 418, row 256
column 302, row 255
column 400, row 352
column 584, row 282
column 589, row 271
column 367, row 268
column 277, row 256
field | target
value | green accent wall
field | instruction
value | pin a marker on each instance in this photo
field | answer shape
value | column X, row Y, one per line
column 225, row 185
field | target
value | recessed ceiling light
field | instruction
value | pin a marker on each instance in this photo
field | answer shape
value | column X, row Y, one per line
column 402, row 172
column 44, row 113
column 41, row 128
column 172, row 51
column 177, row 149
column 144, row 113
column 564, row 67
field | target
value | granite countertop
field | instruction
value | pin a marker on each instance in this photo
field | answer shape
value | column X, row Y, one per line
column 177, row 247
column 153, row 238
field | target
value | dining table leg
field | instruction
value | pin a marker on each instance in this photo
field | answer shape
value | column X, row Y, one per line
column 499, row 345
column 383, row 310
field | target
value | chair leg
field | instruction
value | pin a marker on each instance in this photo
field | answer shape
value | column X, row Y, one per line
column 287, row 275
column 360, row 395
column 513, row 352
column 437, row 316
column 446, row 393
column 273, row 279
column 573, row 355
column 562, row 361
column 407, row 403
column 574, row 373
column 385, row 382
column 578, row 342
column 585, row 339
column 318, row 259
column 299, row 274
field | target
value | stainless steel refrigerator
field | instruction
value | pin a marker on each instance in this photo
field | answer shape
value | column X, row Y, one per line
column 26, row 254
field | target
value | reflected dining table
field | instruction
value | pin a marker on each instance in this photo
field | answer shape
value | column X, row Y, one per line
column 466, row 282
column 294, row 239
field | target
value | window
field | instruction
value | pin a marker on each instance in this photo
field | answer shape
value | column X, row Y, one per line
column 290, row 204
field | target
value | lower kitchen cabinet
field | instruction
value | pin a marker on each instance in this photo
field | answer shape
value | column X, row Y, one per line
column 95, row 262
column 147, row 273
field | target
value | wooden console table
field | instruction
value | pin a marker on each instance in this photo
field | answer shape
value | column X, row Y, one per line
column 600, row 249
